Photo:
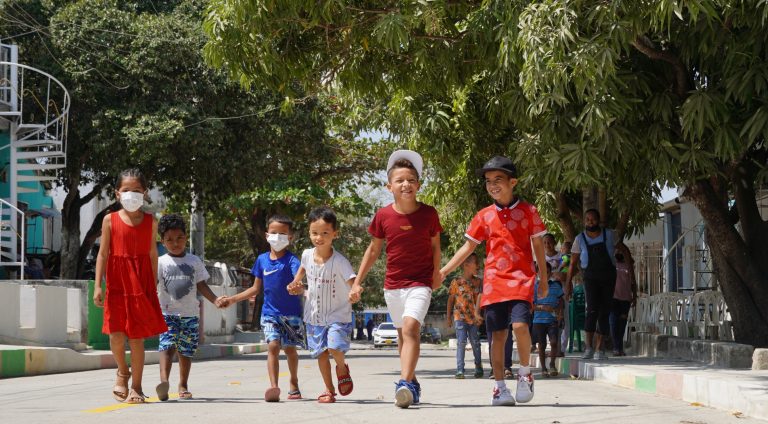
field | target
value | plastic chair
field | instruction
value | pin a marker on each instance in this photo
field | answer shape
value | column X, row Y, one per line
column 578, row 314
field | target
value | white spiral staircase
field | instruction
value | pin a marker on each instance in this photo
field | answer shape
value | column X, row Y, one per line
column 34, row 108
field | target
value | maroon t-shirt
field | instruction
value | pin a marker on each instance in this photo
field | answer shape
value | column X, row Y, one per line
column 409, row 245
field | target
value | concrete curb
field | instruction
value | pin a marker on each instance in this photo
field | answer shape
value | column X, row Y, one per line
column 729, row 390
column 19, row 361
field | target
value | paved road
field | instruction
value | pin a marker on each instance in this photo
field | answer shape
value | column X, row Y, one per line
column 232, row 391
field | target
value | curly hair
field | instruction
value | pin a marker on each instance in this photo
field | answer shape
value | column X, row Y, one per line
column 171, row 222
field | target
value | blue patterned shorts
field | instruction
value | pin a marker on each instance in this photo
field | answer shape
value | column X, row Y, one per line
column 334, row 336
column 183, row 335
column 288, row 330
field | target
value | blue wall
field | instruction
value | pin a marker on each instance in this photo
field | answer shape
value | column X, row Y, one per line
column 36, row 200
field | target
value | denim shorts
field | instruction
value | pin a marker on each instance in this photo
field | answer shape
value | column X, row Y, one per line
column 183, row 335
column 288, row 330
column 334, row 336
column 499, row 316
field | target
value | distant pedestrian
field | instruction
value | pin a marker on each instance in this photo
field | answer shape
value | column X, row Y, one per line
column 369, row 329
column 593, row 251
column 128, row 258
column 464, row 310
column 624, row 296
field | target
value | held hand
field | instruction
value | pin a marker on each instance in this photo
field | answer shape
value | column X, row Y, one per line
column 355, row 292
column 437, row 280
column 219, row 302
column 448, row 322
column 98, row 298
column 296, row 288
column 443, row 275
column 543, row 291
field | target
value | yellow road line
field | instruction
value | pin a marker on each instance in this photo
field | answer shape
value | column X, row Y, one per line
column 119, row 406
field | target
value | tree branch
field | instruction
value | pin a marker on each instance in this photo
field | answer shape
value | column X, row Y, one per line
column 645, row 46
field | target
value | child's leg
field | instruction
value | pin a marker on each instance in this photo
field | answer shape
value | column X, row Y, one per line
column 541, row 344
column 137, row 363
column 554, row 340
column 497, row 353
column 117, row 346
column 166, row 363
column 410, row 347
column 523, row 337
column 273, row 362
column 324, row 363
column 293, row 366
column 185, row 366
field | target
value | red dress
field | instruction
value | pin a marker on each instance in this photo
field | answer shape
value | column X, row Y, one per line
column 131, row 305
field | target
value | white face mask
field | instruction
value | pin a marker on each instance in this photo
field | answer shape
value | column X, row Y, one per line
column 131, row 200
column 277, row 241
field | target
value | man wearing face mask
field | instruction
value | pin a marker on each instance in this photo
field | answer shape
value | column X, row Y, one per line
column 592, row 251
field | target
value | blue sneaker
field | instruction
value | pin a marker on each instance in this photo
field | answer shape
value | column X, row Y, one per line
column 417, row 397
column 405, row 394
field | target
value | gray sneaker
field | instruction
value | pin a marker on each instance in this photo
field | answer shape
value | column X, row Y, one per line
column 600, row 356
column 589, row 353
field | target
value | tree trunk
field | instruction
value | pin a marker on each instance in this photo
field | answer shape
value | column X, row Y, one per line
column 742, row 282
column 590, row 200
column 564, row 217
column 91, row 236
column 70, row 231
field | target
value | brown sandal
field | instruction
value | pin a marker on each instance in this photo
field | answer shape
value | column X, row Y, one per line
column 135, row 397
column 120, row 393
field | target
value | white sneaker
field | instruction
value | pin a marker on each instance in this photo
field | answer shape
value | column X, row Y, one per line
column 524, row 388
column 600, row 356
column 403, row 397
column 502, row 397
column 589, row 353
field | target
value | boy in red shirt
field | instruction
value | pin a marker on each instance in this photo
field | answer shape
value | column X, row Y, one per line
column 412, row 232
column 507, row 227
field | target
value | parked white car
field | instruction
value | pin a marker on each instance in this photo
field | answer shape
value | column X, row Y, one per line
column 385, row 335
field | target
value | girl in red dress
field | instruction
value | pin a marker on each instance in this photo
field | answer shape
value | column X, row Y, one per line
column 128, row 253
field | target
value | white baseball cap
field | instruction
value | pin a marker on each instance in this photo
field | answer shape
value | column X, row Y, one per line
column 410, row 156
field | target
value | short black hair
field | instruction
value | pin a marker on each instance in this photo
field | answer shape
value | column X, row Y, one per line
column 281, row 219
column 550, row 235
column 593, row 211
column 402, row 163
column 471, row 255
column 326, row 214
column 172, row 221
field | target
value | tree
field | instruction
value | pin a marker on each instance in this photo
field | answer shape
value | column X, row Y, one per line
column 623, row 96
column 142, row 96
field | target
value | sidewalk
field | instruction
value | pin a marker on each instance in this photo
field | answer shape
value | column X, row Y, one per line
column 18, row 361
column 738, row 391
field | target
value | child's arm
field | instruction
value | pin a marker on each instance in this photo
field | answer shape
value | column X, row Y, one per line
column 572, row 271
column 538, row 255
column 478, row 308
column 153, row 249
column 101, row 260
column 458, row 258
column 372, row 253
column 449, row 312
column 437, row 279
column 254, row 290
column 205, row 290
column 296, row 287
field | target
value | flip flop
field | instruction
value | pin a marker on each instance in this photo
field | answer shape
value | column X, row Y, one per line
column 553, row 370
column 345, row 385
column 294, row 394
column 272, row 394
column 326, row 397
column 120, row 393
column 185, row 394
column 162, row 391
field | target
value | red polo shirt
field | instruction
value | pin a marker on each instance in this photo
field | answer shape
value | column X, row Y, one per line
column 507, row 232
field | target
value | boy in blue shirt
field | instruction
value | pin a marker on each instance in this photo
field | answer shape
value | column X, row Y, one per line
column 281, row 314
column 547, row 313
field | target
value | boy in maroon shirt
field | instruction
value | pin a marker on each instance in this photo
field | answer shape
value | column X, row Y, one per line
column 412, row 232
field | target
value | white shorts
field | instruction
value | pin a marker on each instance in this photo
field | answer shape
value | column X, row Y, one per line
column 411, row 302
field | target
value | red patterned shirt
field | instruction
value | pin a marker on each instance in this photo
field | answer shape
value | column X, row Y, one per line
column 507, row 232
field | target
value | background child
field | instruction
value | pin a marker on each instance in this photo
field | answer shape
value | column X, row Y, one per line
column 507, row 227
column 412, row 231
column 327, row 311
column 281, row 313
column 547, row 312
column 128, row 254
column 463, row 308
column 180, row 277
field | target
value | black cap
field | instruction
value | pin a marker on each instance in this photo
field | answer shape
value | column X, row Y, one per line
column 498, row 163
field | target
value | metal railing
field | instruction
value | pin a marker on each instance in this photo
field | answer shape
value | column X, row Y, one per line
column 10, row 247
